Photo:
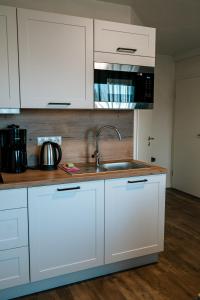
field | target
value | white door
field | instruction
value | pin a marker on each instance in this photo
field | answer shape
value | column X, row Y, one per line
column 134, row 217
column 143, row 135
column 158, row 122
column 186, row 158
column 56, row 60
column 66, row 228
column 9, row 78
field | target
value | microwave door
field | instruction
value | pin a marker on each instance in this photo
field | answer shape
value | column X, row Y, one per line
column 120, row 90
column 114, row 92
column 123, row 86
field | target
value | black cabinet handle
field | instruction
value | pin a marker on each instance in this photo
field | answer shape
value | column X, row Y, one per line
column 137, row 181
column 126, row 50
column 59, row 103
column 69, row 189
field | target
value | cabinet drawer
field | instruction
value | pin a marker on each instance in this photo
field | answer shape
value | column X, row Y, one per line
column 62, row 190
column 124, row 39
column 131, row 182
column 14, row 198
column 13, row 228
column 14, row 267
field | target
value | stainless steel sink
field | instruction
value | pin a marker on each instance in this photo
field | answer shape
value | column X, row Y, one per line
column 123, row 166
column 92, row 169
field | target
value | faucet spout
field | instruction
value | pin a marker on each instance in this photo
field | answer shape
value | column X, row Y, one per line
column 97, row 153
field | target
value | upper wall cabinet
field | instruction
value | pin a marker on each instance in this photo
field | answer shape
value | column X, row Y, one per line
column 124, row 38
column 9, row 78
column 135, row 43
column 56, row 60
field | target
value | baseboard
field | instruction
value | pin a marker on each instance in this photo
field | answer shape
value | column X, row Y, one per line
column 47, row 284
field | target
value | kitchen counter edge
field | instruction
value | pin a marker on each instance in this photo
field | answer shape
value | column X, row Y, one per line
column 33, row 178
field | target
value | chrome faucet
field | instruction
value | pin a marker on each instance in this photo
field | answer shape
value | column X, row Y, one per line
column 98, row 133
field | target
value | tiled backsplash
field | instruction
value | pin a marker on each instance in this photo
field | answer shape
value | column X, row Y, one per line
column 77, row 128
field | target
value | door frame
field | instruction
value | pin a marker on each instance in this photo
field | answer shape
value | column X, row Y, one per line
column 135, row 133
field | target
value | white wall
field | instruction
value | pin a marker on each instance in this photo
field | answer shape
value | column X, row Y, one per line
column 84, row 8
column 162, row 117
column 188, row 68
column 186, row 150
column 134, row 18
column 158, row 123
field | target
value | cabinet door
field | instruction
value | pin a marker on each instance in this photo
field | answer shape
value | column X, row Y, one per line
column 13, row 228
column 56, row 60
column 13, row 198
column 134, row 217
column 9, row 78
column 66, row 228
column 124, row 39
column 14, row 267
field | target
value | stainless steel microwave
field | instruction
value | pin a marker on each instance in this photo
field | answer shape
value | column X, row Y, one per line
column 119, row 86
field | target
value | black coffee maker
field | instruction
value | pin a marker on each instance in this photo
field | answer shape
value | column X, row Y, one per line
column 13, row 155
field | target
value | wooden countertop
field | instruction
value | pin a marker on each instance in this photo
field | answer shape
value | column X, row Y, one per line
column 32, row 178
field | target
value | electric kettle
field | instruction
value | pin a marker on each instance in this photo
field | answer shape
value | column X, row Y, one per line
column 50, row 156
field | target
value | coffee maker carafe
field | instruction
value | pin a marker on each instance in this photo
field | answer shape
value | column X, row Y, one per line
column 13, row 155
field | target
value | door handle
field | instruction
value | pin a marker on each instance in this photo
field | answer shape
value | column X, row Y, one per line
column 126, row 50
column 69, row 189
column 138, row 181
column 150, row 138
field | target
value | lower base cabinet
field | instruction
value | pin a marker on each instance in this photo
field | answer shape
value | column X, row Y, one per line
column 74, row 227
column 66, row 228
column 14, row 267
column 134, row 217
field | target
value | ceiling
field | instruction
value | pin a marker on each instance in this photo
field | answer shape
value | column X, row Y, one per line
column 177, row 23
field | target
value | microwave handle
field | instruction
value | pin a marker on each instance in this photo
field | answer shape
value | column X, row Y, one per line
column 126, row 50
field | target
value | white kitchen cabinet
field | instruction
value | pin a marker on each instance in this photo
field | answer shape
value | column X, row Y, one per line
column 134, row 217
column 13, row 198
column 14, row 258
column 14, row 267
column 56, row 60
column 9, row 77
column 13, row 228
column 66, row 228
column 124, row 39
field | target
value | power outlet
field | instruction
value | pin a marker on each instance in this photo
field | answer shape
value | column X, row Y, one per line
column 55, row 139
